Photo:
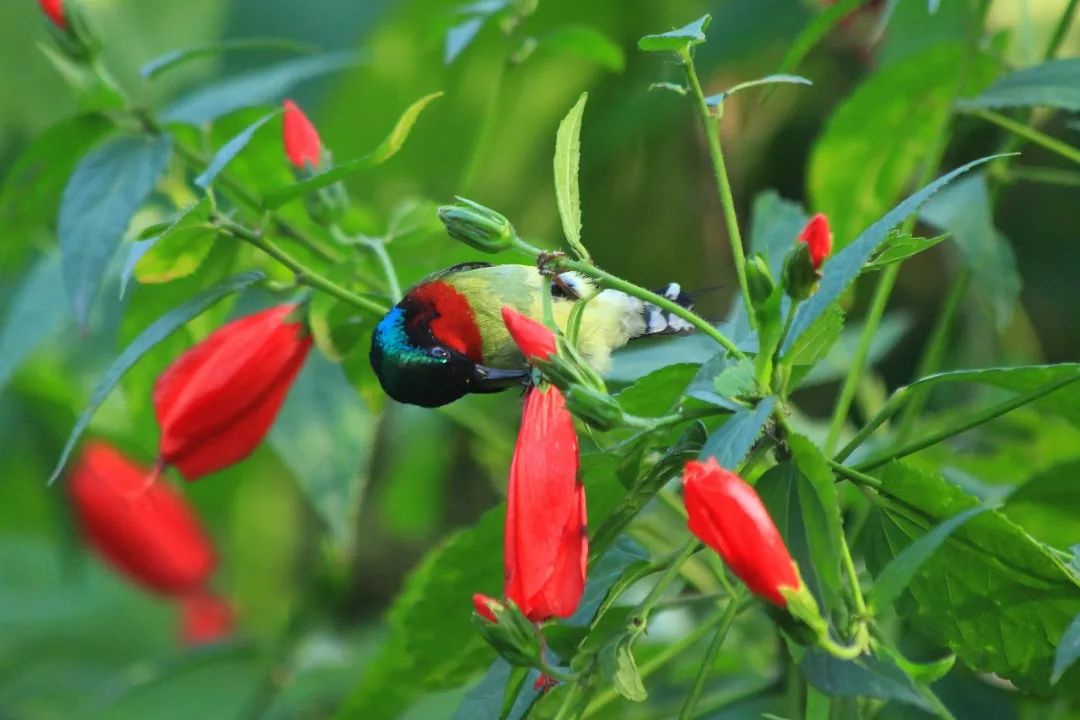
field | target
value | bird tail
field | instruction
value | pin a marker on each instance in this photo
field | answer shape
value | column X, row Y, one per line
column 659, row 321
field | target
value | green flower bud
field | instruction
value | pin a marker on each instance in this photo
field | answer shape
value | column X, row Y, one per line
column 759, row 279
column 598, row 409
column 800, row 278
column 511, row 634
column 477, row 226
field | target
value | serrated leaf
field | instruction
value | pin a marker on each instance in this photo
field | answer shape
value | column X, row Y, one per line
column 655, row 393
column 231, row 149
column 900, row 246
column 817, row 340
column 433, row 645
column 164, row 326
column 587, row 42
column 995, row 596
column 567, row 161
column 1068, row 651
column 736, row 381
column 385, row 150
column 894, row 577
column 846, row 265
column 866, row 676
column 1053, row 84
column 718, row 99
column 99, row 200
column 324, row 434
column 35, row 311
column 175, row 58
column 730, row 443
column 259, row 87
column 965, row 210
column 677, row 40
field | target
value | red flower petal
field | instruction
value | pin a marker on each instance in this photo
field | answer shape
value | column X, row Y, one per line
column 204, row 619
column 727, row 515
column 545, row 545
column 302, row 144
column 533, row 338
column 143, row 528
column 54, row 10
column 216, row 402
column 818, row 238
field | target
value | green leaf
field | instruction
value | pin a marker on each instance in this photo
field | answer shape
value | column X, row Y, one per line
column 324, row 434
column 178, row 251
column 846, row 265
column 678, row 40
column 866, row 676
column 587, row 42
column 991, row 593
column 175, row 58
column 879, row 137
column 818, row 339
column 965, row 210
column 834, row 366
column 816, row 30
column 801, row 498
column 432, row 644
column 258, row 87
column 774, row 225
column 158, row 331
column 894, row 577
column 459, row 37
column 654, row 394
column 567, row 161
column 900, row 246
column 648, row 355
column 100, row 198
column 34, row 312
column 736, row 381
column 231, row 149
column 1048, row 504
column 385, row 150
column 32, row 187
column 1068, row 651
column 487, row 697
column 607, row 573
column 618, row 666
column 1053, row 84
column 718, row 99
column 734, row 439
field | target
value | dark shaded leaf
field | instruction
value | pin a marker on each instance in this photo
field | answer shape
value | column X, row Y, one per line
column 866, row 676
column 34, row 312
column 1053, row 84
column 734, row 439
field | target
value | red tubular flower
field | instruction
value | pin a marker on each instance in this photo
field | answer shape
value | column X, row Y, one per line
column 818, row 238
column 216, row 402
column 205, row 619
column 533, row 338
column 142, row 528
column 301, row 139
column 545, row 545
column 482, row 605
column 727, row 515
column 54, row 10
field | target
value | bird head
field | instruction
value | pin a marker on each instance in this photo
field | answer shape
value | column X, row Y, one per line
column 427, row 350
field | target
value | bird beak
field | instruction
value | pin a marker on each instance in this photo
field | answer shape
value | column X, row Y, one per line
column 486, row 379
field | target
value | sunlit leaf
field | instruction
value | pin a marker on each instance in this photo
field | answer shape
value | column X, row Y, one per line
column 567, row 161
column 678, row 40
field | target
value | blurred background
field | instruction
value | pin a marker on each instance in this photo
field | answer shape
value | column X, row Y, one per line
column 75, row 639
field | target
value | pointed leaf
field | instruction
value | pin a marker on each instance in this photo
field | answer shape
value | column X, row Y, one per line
column 899, row 247
column 678, row 40
column 719, row 98
column 567, row 161
column 100, row 198
column 34, row 312
column 164, row 326
column 734, row 439
column 176, row 58
column 866, row 676
column 231, row 149
column 1053, row 84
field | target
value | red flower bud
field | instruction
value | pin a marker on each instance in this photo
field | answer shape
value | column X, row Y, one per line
column 544, row 683
column 546, row 544
column 54, row 10
column 301, row 139
column 727, row 515
column 143, row 528
column 216, row 402
column 533, row 338
column 482, row 604
column 205, row 619
column 818, row 238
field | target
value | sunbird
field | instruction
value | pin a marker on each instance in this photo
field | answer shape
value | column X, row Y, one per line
column 446, row 338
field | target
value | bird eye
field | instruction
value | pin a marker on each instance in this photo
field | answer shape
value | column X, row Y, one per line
column 439, row 352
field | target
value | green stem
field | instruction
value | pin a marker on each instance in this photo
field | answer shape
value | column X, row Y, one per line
column 612, row 282
column 709, row 659
column 378, row 249
column 975, row 420
column 897, row 401
column 571, row 699
column 862, row 352
column 855, row 476
column 711, row 127
column 1045, row 175
column 640, row 618
column 657, row 661
column 1062, row 29
column 1029, row 133
column 304, row 275
column 934, row 354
